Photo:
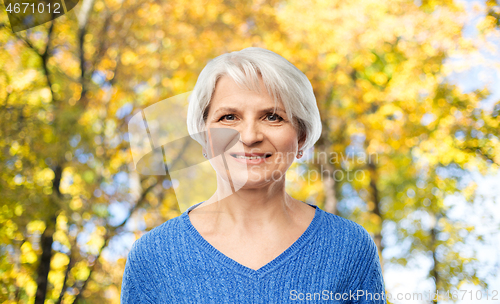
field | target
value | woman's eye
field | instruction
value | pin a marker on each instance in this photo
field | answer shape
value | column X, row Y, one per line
column 269, row 117
column 229, row 117
column 274, row 117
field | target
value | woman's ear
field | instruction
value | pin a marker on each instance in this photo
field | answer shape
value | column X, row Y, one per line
column 302, row 139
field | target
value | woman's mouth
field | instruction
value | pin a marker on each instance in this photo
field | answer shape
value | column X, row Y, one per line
column 251, row 158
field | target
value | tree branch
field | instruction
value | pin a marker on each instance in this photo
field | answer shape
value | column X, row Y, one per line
column 66, row 275
column 111, row 231
column 83, row 18
column 28, row 43
column 44, row 266
column 481, row 153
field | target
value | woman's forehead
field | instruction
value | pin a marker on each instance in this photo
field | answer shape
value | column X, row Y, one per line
column 229, row 93
column 227, row 85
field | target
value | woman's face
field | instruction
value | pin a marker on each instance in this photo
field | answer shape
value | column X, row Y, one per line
column 268, row 141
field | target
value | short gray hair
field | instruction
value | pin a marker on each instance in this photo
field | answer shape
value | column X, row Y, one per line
column 282, row 80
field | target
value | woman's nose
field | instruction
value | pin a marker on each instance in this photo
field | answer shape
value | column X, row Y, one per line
column 250, row 133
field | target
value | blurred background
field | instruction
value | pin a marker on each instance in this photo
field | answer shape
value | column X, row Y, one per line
column 415, row 85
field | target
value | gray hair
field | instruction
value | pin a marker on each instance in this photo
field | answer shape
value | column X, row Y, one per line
column 282, row 80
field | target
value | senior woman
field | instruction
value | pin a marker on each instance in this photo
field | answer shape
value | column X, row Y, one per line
column 251, row 242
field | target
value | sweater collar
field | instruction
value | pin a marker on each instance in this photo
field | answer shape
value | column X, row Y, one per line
column 237, row 267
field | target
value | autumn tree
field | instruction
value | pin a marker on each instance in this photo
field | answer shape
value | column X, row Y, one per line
column 388, row 110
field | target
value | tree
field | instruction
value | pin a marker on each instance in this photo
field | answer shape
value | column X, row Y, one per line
column 381, row 83
column 71, row 86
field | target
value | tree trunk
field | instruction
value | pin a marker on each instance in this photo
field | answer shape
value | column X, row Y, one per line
column 44, row 266
column 434, row 270
column 376, row 209
column 329, row 188
column 46, row 241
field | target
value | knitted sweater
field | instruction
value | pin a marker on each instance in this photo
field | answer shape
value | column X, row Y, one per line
column 334, row 260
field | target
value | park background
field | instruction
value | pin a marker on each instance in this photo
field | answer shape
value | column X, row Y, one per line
column 415, row 83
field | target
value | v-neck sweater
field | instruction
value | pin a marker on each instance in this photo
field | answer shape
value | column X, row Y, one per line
column 334, row 260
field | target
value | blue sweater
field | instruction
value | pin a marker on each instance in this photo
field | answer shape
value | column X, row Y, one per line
column 334, row 260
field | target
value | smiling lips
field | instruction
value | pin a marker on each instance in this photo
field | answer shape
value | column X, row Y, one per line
column 251, row 158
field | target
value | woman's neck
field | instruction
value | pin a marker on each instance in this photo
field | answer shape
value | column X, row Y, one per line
column 254, row 209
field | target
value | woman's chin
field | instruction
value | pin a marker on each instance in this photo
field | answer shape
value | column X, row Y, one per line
column 251, row 186
column 254, row 182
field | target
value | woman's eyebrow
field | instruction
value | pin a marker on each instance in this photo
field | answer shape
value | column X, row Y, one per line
column 235, row 110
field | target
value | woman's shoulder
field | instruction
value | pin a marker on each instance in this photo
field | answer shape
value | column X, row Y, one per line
column 347, row 233
column 150, row 256
column 159, row 240
column 348, row 243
